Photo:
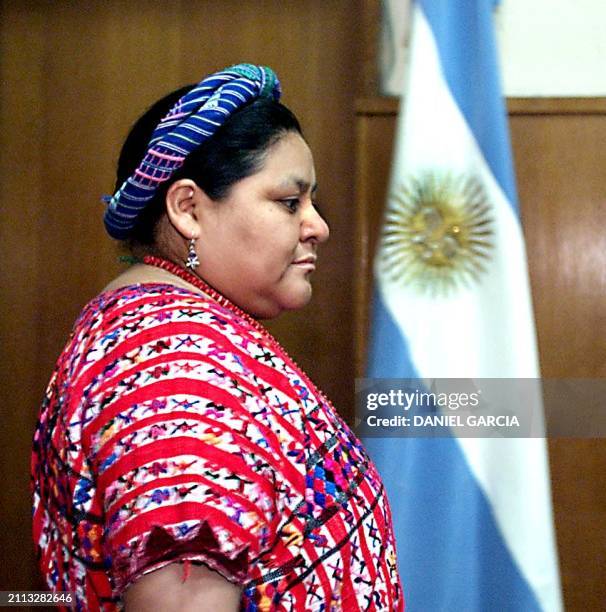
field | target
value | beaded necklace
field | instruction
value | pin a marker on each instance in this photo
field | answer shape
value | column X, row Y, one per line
column 196, row 281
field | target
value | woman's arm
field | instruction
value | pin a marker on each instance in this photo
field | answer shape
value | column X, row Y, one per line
column 165, row 590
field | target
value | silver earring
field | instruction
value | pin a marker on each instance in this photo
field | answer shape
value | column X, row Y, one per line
column 192, row 257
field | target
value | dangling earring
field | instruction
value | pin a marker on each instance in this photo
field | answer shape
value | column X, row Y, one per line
column 192, row 257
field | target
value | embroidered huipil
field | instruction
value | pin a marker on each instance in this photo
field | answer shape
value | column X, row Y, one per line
column 173, row 430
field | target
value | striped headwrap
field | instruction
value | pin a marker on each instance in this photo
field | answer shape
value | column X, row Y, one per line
column 191, row 121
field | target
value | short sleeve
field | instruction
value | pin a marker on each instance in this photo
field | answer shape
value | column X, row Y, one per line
column 181, row 465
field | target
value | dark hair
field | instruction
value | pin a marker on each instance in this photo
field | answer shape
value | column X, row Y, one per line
column 236, row 150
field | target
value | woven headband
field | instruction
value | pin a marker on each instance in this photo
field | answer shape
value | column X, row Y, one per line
column 191, row 121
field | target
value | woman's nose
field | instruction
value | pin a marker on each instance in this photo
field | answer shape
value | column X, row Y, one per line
column 313, row 225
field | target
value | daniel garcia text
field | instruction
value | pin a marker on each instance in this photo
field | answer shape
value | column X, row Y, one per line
column 444, row 420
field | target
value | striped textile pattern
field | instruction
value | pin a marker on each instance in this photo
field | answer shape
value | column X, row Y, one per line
column 191, row 121
column 173, row 430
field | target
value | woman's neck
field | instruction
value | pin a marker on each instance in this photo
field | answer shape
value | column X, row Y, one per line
column 142, row 273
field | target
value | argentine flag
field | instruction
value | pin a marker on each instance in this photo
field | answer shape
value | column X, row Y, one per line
column 473, row 516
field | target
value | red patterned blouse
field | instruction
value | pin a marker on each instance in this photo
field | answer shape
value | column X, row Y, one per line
column 173, row 430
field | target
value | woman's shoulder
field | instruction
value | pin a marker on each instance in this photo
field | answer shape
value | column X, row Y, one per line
column 145, row 330
column 128, row 310
column 112, row 306
column 146, row 313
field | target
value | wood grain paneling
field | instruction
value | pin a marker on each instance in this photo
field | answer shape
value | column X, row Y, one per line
column 560, row 159
column 375, row 134
column 75, row 76
column 562, row 186
column 21, row 171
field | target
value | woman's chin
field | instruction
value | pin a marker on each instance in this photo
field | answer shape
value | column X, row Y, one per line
column 298, row 305
column 292, row 300
column 299, row 298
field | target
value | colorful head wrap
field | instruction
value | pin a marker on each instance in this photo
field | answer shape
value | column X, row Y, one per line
column 191, row 121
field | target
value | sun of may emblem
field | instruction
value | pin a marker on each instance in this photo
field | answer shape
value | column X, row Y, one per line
column 437, row 233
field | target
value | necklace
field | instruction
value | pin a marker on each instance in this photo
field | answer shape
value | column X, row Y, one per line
column 196, row 281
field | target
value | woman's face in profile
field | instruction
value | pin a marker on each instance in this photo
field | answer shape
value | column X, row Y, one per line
column 258, row 245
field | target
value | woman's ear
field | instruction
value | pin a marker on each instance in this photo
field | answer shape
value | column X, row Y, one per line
column 183, row 200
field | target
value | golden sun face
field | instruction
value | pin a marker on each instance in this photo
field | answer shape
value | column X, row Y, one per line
column 437, row 233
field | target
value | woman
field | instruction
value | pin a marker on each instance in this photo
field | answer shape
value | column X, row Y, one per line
column 182, row 460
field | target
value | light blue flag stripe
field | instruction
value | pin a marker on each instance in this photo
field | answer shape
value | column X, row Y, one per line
column 388, row 355
column 451, row 555
column 468, row 57
column 438, row 507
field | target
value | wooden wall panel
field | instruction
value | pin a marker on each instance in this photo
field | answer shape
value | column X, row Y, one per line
column 560, row 166
column 560, row 159
column 20, row 116
column 374, row 133
column 75, row 76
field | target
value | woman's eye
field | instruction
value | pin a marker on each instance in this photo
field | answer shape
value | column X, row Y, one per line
column 291, row 203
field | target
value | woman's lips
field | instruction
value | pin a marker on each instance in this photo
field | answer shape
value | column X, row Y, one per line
column 306, row 263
